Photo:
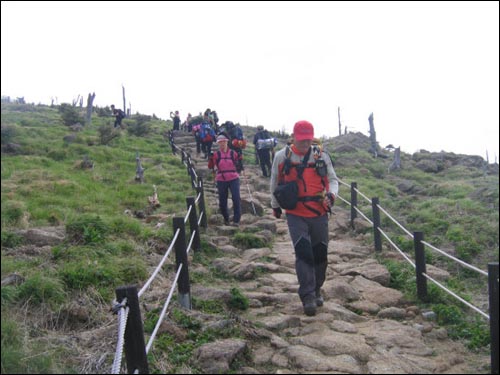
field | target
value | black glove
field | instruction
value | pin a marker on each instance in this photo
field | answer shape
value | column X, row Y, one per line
column 331, row 199
column 277, row 212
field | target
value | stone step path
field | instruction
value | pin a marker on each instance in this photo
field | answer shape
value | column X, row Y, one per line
column 364, row 327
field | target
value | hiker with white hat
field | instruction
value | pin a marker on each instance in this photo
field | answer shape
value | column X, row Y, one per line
column 226, row 164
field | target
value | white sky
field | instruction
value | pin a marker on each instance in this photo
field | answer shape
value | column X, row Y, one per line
column 429, row 71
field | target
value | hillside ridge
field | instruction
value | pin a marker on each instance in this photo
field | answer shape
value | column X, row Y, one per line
column 365, row 325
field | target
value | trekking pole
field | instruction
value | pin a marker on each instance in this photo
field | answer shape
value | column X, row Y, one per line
column 249, row 193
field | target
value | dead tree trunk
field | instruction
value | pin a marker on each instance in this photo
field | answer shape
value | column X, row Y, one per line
column 340, row 125
column 124, row 106
column 139, row 170
column 90, row 101
column 373, row 137
column 396, row 163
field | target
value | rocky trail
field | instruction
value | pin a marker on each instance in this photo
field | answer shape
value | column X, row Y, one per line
column 363, row 327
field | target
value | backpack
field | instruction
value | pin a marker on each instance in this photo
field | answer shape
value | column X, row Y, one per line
column 121, row 114
column 266, row 144
column 207, row 134
column 232, row 155
column 319, row 163
column 239, row 143
column 237, row 133
column 215, row 117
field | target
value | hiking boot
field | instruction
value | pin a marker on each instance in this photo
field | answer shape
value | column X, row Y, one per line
column 226, row 222
column 309, row 305
column 235, row 224
column 319, row 298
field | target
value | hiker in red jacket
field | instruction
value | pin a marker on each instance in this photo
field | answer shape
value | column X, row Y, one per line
column 304, row 183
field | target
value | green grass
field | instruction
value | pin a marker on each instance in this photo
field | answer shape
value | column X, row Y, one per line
column 44, row 185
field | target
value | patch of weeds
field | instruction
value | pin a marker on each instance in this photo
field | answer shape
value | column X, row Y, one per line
column 185, row 321
column 9, row 294
column 475, row 332
column 12, row 212
column 10, row 239
column 208, row 306
column 150, row 320
column 238, row 300
column 248, row 241
column 87, row 229
column 38, row 289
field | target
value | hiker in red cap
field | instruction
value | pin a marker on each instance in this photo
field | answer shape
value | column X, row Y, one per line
column 304, row 183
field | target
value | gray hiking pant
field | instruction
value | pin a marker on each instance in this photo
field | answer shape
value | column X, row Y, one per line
column 310, row 241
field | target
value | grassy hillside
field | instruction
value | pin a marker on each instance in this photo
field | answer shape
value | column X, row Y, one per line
column 46, row 183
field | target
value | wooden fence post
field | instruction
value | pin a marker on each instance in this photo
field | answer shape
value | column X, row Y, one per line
column 376, row 225
column 193, row 223
column 171, row 139
column 354, row 202
column 191, row 172
column 420, row 269
column 493, row 292
column 200, row 190
column 135, row 348
column 181, row 258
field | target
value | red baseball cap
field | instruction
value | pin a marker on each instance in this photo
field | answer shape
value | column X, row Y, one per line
column 303, row 130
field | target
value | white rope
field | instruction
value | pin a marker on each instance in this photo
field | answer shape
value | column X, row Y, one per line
column 364, row 196
column 397, row 248
column 342, row 182
column 163, row 311
column 343, row 200
column 199, row 219
column 188, row 213
column 122, row 325
column 394, row 220
column 456, row 259
column 158, row 268
column 198, row 197
column 190, row 242
column 362, row 214
column 457, row 297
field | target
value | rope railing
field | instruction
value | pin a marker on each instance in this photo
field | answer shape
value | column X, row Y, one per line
column 163, row 311
column 456, row 259
column 396, row 247
column 133, row 337
column 395, row 221
column 342, row 199
column 364, row 196
column 457, row 296
column 187, row 214
column 122, row 323
column 342, row 182
column 420, row 266
column 198, row 197
column 160, row 265
column 363, row 215
column 356, row 208
column 201, row 217
column 190, row 242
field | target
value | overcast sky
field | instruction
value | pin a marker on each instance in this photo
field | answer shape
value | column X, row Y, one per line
column 429, row 71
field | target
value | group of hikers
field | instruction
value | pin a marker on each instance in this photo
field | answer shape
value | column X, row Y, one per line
column 205, row 128
column 303, row 185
